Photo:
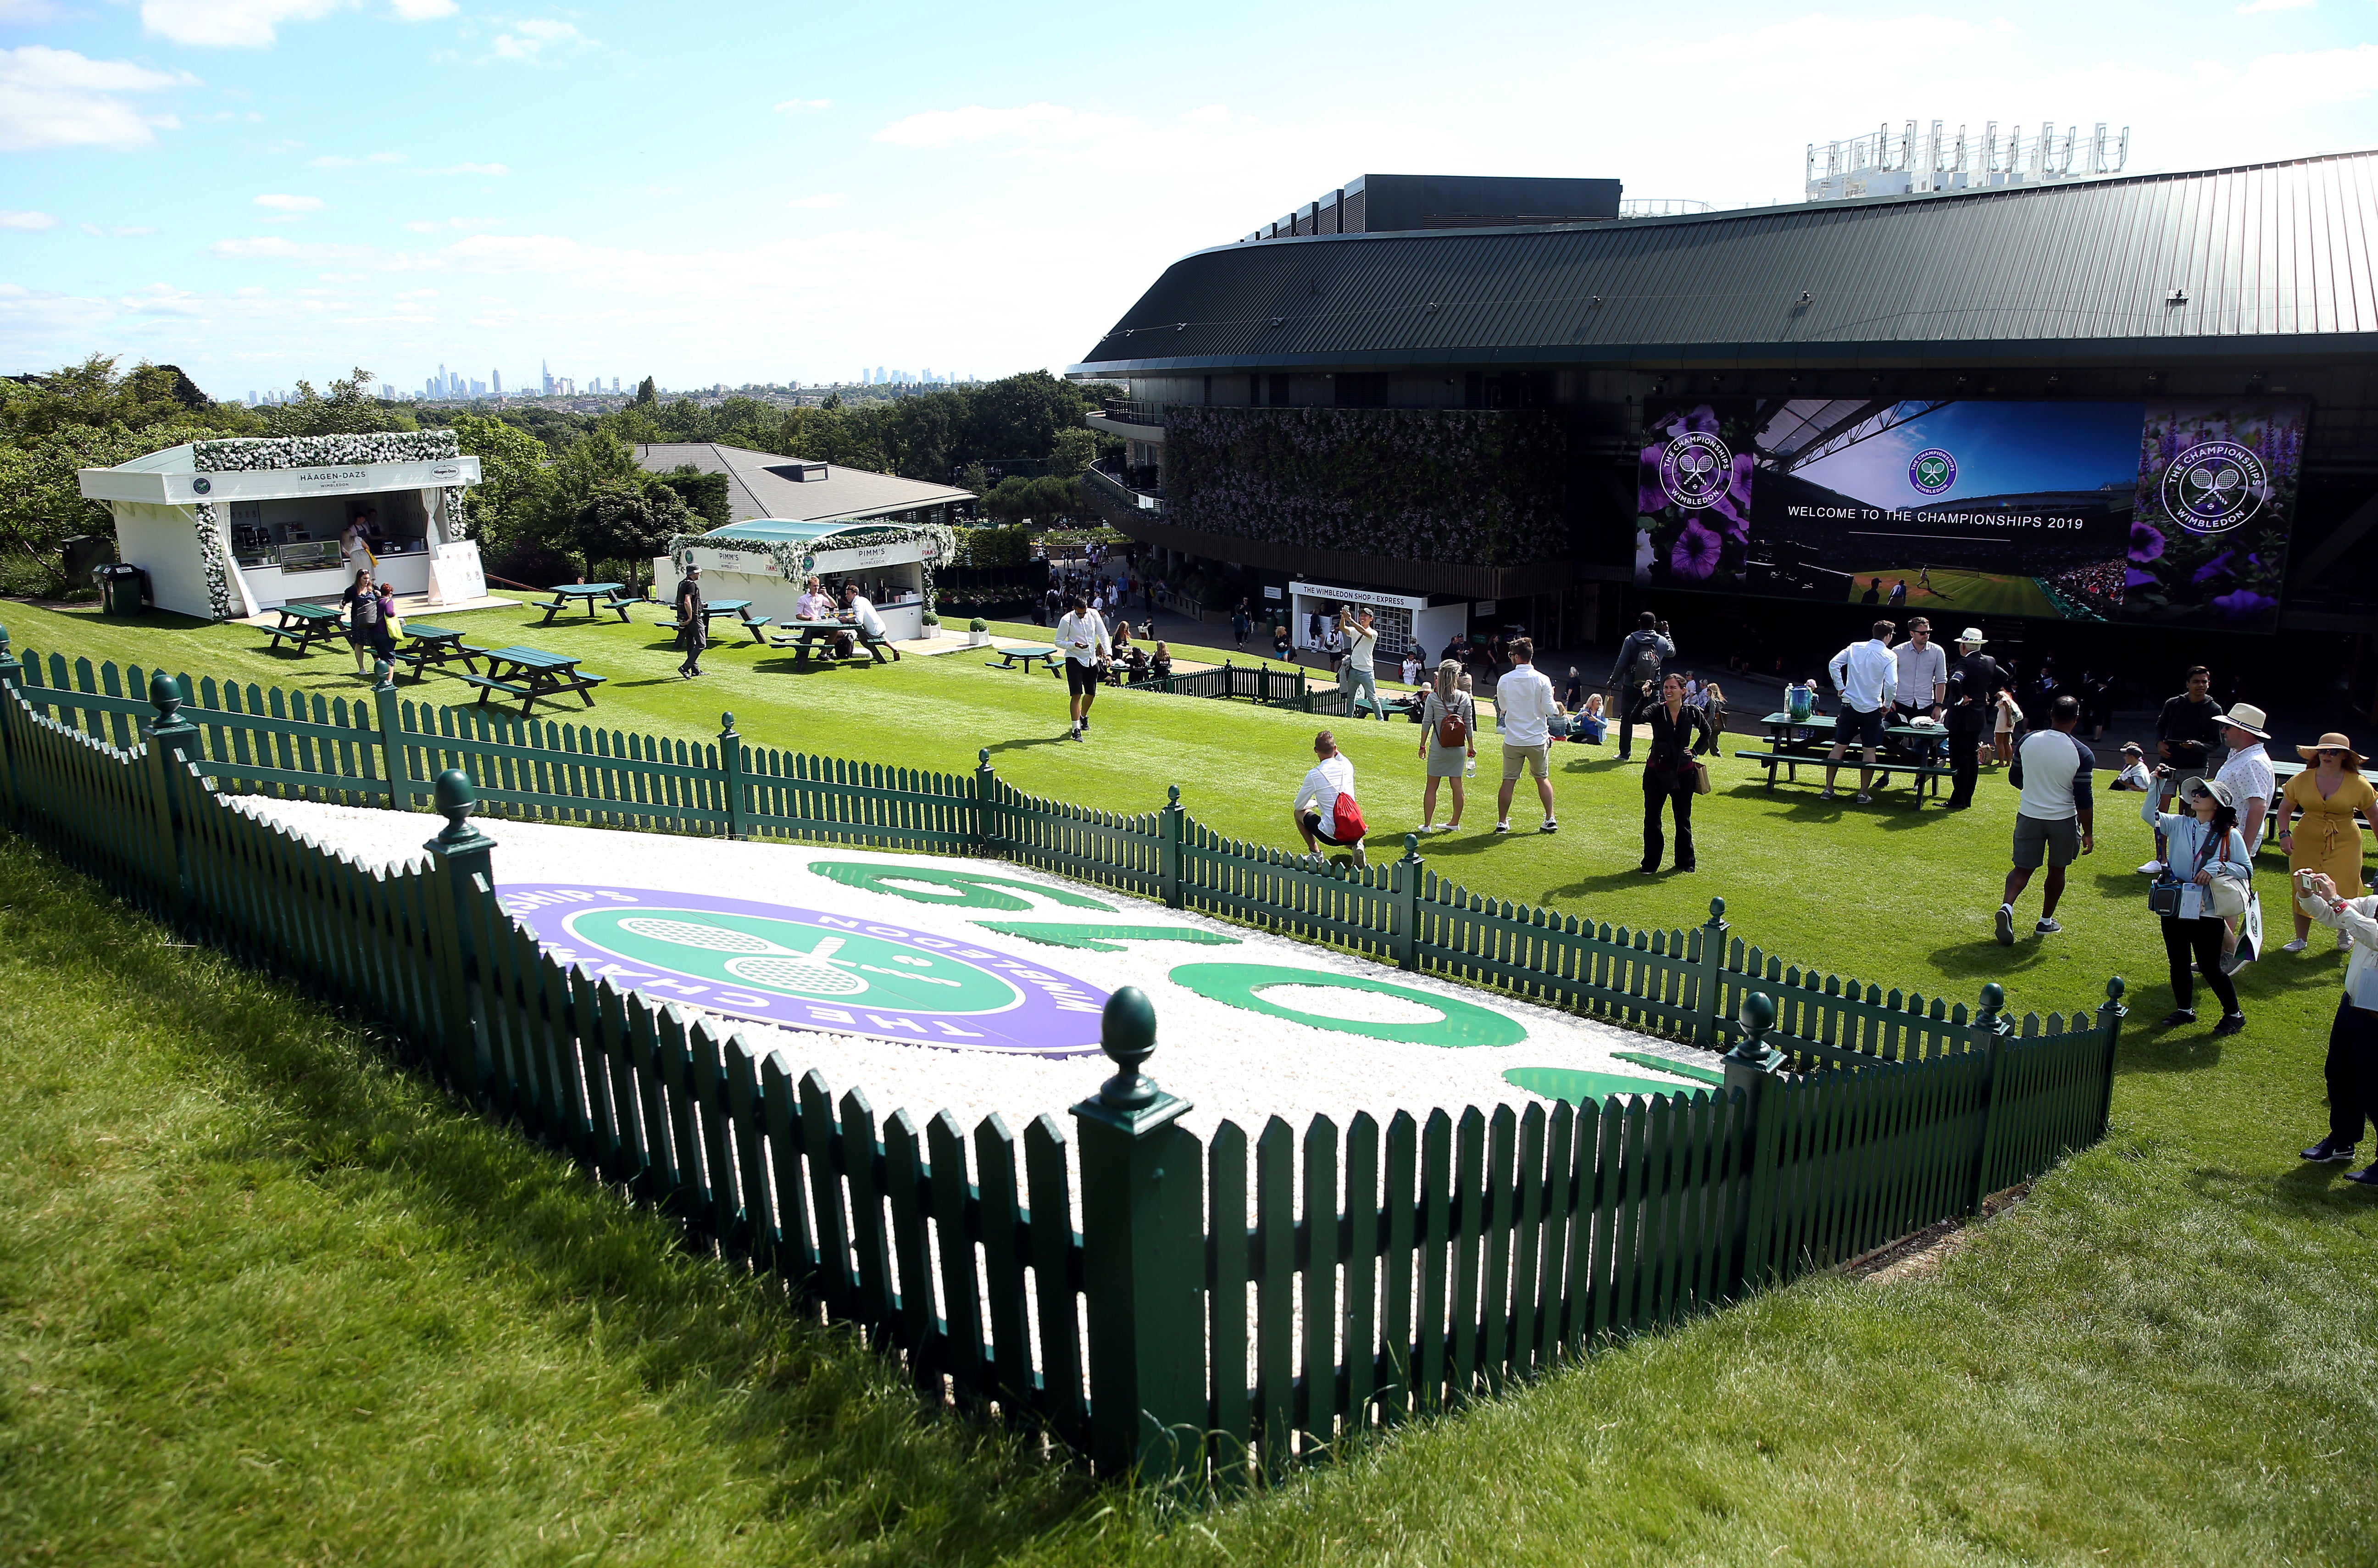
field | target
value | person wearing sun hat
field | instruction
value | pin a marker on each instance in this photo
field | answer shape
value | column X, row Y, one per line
column 2317, row 827
column 1974, row 681
column 2247, row 773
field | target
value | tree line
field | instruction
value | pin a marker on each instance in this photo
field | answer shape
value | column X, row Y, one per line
column 560, row 492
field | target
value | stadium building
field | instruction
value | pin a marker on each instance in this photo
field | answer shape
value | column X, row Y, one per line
column 2142, row 406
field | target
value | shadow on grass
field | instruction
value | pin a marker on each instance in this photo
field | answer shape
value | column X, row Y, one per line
column 836, row 1442
column 1028, row 741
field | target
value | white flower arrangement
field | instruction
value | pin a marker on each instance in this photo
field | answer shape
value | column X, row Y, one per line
column 323, row 451
column 794, row 561
column 215, row 560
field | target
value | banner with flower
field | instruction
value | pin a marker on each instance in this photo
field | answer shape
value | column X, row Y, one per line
column 2215, row 504
column 1692, row 504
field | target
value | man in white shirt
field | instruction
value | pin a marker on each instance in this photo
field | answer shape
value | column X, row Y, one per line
column 1922, row 672
column 2247, row 772
column 1361, row 674
column 1082, row 638
column 2352, row 1068
column 1523, row 711
column 859, row 611
column 2055, row 822
column 1315, row 807
column 1867, row 678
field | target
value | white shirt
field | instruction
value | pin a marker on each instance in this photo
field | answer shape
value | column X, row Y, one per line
column 2134, row 777
column 1866, row 675
column 2359, row 920
column 1523, row 705
column 862, row 611
column 1083, row 636
column 1359, row 646
column 1330, row 778
column 1693, row 693
column 1411, row 671
column 1921, row 671
column 2247, row 774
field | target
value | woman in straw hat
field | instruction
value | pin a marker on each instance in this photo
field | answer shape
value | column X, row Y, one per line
column 2316, row 822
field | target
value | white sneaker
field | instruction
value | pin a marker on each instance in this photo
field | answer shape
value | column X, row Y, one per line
column 2152, row 868
column 2297, row 946
column 1550, row 827
column 1502, row 828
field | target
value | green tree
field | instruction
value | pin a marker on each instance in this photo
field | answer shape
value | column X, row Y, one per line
column 507, row 509
column 628, row 523
column 1073, row 451
column 349, row 410
column 648, row 396
column 704, row 495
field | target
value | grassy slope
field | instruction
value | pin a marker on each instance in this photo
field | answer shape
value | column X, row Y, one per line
column 2166, row 1356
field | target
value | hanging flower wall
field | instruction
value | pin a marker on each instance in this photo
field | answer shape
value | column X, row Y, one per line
column 323, row 451
column 1463, row 487
column 215, row 561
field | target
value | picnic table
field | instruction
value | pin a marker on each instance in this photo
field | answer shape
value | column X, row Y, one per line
column 596, row 597
column 533, row 675
column 1792, row 742
column 305, row 624
column 1025, row 656
column 741, row 608
column 816, row 636
column 435, row 645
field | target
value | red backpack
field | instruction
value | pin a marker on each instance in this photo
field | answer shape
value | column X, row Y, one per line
column 1346, row 824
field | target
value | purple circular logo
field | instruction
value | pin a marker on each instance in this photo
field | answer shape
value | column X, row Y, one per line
column 1932, row 471
column 807, row 968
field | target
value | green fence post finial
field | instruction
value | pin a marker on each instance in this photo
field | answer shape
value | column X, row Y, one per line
column 1751, row 1070
column 1709, row 1002
column 1988, row 1033
column 1143, row 1260
column 1171, row 830
column 169, row 728
column 2110, row 1013
column 730, row 765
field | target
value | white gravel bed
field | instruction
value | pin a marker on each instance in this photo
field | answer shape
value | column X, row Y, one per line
column 1232, row 1062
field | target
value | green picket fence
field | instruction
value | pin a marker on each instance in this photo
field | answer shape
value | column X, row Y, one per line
column 1268, row 1299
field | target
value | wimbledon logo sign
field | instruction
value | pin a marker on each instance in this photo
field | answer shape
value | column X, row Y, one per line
column 806, row 969
column 2215, row 486
column 1932, row 471
column 1695, row 470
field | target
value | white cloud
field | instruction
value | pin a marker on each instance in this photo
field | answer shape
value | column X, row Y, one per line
column 1212, row 114
column 528, row 41
column 118, row 230
column 1040, row 124
column 290, row 203
column 23, row 13
column 24, row 223
column 421, row 10
column 273, row 248
column 497, row 170
column 2253, row 6
column 821, row 202
column 424, row 225
column 227, row 24
column 2321, row 76
column 804, row 106
column 57, row 98
column 334, row 162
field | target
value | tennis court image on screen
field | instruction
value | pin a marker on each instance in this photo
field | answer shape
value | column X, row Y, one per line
column 1986, row 507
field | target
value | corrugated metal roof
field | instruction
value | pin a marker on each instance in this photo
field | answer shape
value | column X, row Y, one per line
column 2260, row 252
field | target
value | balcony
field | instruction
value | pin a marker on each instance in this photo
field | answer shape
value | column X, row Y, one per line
column 1118, row 502
column 1132, row 421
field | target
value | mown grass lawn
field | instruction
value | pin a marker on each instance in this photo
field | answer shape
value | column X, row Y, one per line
column 299, row 1308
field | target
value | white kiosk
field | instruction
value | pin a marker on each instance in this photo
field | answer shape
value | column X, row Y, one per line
column 226, row 529
column 1404, row 620
column 767, row 560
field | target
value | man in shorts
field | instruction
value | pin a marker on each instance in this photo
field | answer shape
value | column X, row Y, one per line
column 2053, row 823
column 1316, row 809
column 1867, row 675
column 1082, row 637
column 1523, row 711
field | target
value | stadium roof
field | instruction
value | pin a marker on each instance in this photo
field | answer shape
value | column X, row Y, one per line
column 766, row 484
column 2261, row 258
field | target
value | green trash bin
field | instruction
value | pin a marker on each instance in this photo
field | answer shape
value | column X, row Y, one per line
column 119, row 589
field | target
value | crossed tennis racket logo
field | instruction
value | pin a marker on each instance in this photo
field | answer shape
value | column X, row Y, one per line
column 757, row 959
column 2213, row 487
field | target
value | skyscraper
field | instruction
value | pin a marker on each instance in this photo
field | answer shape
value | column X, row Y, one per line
column 545, row 371
column 498, row 375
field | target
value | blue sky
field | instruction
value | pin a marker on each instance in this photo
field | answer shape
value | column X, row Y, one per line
column 264, row 190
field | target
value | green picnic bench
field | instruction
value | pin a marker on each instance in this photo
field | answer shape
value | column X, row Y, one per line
column 596, row 597
column 305, row 624
column 435, row 646
column 742, row 609
column 814, row 636
column 533, row 675
column 1024, row 657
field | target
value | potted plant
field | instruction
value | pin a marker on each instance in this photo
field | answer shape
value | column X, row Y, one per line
column 978, row 633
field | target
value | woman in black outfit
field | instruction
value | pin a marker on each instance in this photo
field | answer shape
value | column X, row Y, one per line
column 1679, row 731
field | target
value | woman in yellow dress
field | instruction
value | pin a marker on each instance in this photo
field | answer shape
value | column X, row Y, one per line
column 2326, row 838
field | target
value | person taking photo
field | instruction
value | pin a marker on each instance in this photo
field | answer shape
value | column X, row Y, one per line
column 2209, row 868
column 2352, row 1067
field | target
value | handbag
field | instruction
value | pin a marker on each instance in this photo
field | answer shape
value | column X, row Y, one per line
column 1700, row 777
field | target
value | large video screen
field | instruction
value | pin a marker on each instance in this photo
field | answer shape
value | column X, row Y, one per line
column 2162, row 512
